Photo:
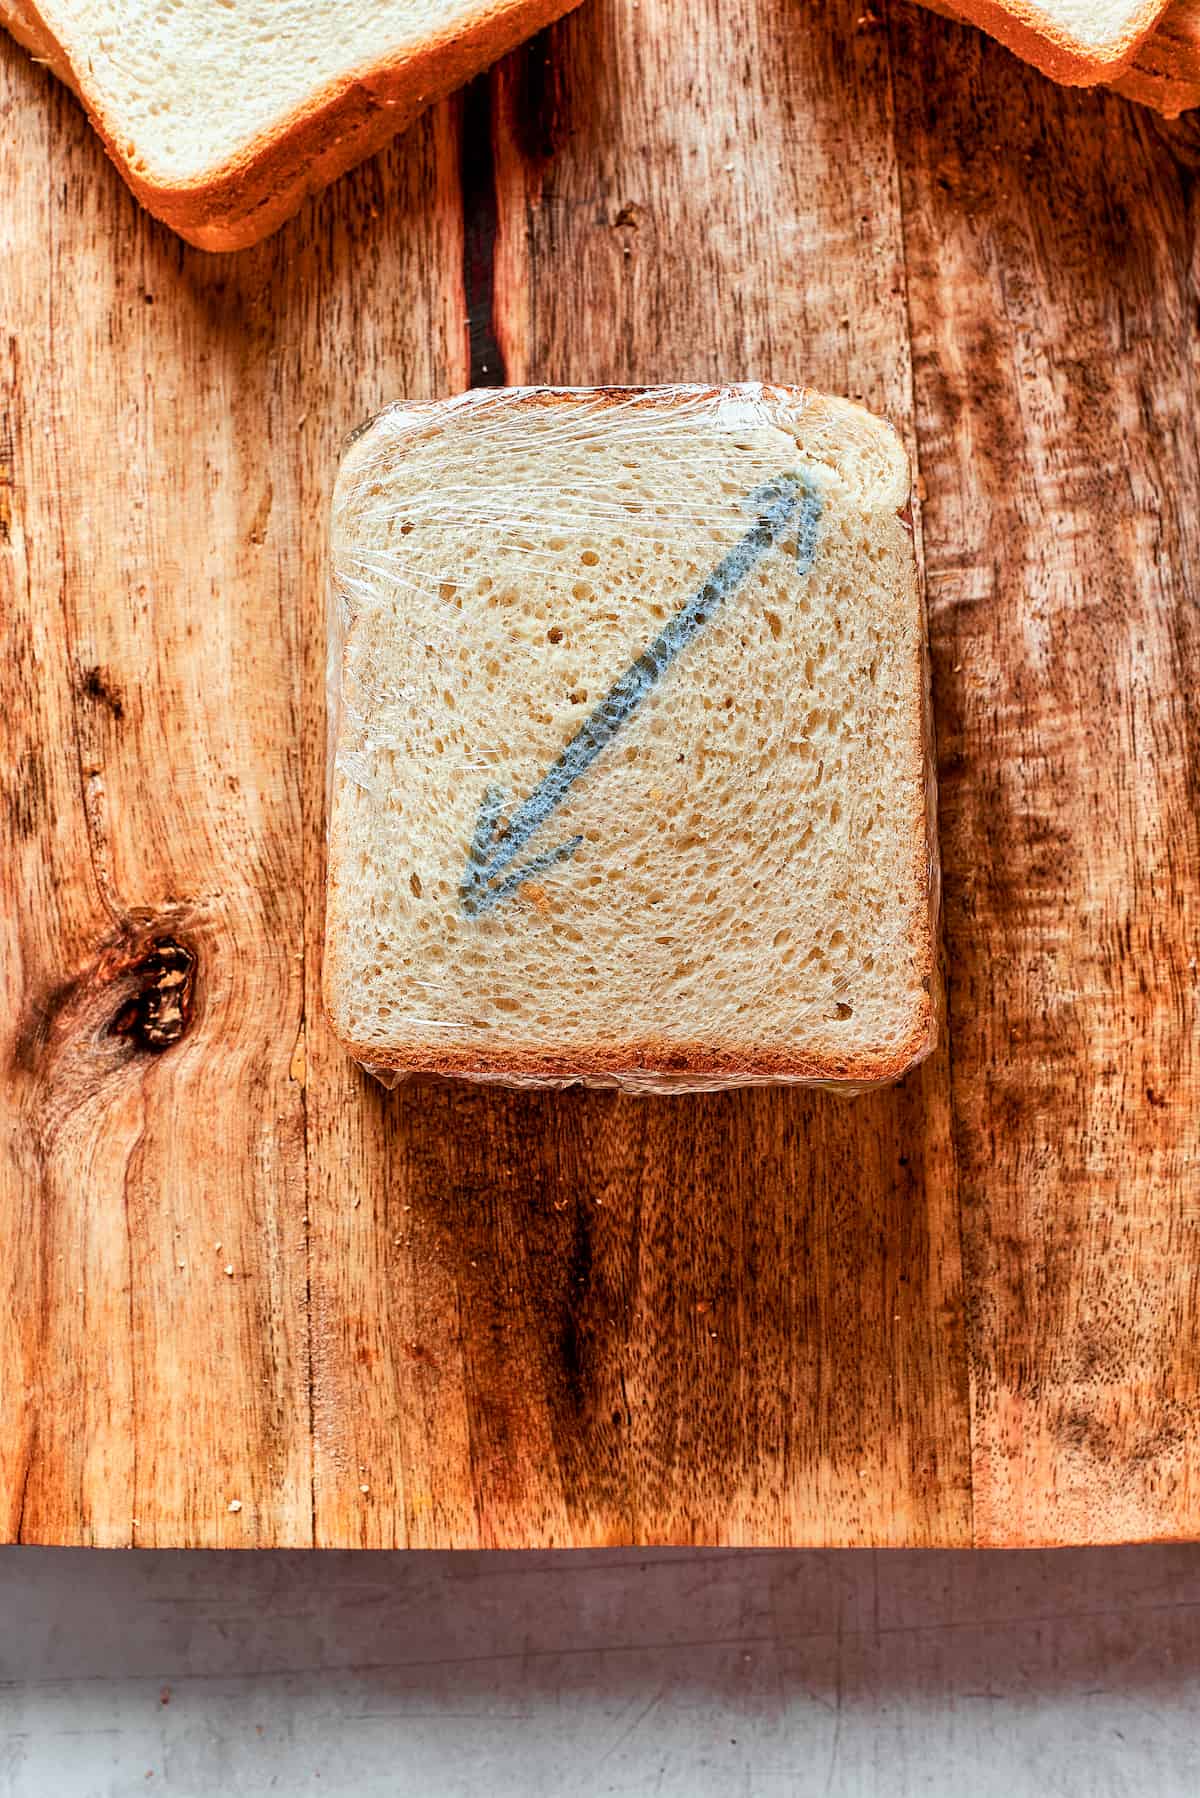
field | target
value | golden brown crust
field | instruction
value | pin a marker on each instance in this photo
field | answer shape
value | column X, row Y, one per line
column 1165, row 73
column 19, row 18
column 252, row 194
column 1167, row 94
column 670, row 1061
column 1021, row 25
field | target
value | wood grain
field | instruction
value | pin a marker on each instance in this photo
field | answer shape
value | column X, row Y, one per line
column 1052, row 284
column 729, row 1319
column 461, row 1316
column 153, row 985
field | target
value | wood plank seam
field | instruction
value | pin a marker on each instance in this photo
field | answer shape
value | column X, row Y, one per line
column 918, row 512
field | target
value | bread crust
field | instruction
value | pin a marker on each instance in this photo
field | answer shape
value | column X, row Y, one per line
column 1024, row 27
column 252, row 193
column 1165, row 72
column 647, row 1063
column 670, row 1063
column 1168, row 94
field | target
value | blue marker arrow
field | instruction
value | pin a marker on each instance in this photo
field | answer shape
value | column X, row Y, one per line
column 487, row 882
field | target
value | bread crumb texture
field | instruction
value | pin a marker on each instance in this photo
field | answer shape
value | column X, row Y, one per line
column 630, row 779
column 186, row 77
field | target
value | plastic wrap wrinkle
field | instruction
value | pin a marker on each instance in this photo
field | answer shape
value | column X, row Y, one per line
column 613, row 799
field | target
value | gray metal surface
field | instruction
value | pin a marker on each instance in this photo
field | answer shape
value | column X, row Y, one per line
column 675, row 1673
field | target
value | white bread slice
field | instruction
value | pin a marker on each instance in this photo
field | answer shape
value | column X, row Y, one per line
column 630, row 777
column 223, row 117
column 1165, row 70
column 1080, row 42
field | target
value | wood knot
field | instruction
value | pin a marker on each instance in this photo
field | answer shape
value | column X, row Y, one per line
column 137, row 995
column 158, row 1011
column 98, row 685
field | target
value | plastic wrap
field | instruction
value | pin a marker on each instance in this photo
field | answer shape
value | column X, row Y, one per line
column 630, row 766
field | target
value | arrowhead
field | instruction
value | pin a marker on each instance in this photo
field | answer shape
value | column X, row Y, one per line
column 773, row 501
column 490, row 854
column 775, row 504
column 478, row 875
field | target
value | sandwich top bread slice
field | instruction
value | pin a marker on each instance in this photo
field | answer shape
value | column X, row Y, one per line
column 1080, row 42
column 629, row 777
column 224, row 117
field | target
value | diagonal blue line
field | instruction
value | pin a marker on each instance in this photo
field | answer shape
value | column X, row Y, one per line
column 777, row 503
column 549, row 858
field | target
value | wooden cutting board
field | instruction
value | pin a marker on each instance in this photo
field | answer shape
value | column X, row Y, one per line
column 250, row 1298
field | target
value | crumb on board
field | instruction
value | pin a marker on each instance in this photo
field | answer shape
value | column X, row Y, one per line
column 235, row 1505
